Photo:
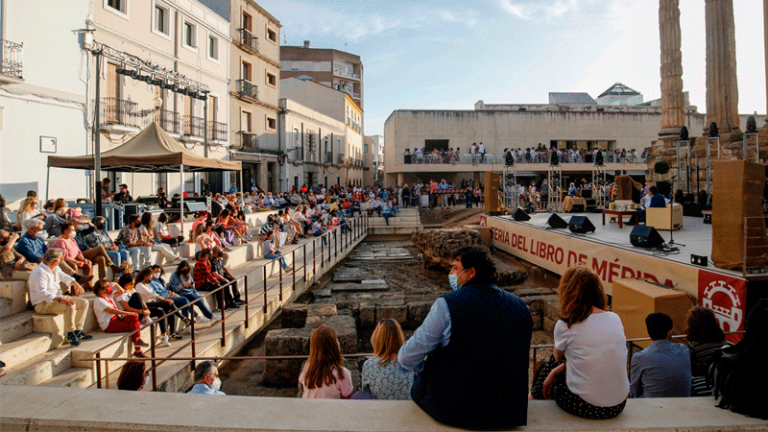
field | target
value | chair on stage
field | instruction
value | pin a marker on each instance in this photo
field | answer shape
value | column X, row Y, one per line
column 660, row 219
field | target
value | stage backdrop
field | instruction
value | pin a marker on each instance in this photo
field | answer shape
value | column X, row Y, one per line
column 558, row 250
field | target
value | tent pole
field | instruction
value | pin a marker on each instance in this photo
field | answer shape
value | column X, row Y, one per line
column 242, row 185
column 181, row 202
column 47, row 182
column 97, row 140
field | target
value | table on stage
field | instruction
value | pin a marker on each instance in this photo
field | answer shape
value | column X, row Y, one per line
column 621, row 213
column 570, row 201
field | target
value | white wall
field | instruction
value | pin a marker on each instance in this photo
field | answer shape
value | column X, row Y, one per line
column 54, row 67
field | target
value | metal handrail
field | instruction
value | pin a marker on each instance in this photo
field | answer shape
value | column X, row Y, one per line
column 247, row 89
column 358, row 228
column 193, row 126
column 248, row 40
column 12, row 63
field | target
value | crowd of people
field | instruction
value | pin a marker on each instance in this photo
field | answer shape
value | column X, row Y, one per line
column 476, row 153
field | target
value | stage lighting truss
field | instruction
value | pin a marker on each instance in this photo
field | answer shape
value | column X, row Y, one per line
column 598, row 185
column 510, row 188
column 555, row 180
column 152, row 74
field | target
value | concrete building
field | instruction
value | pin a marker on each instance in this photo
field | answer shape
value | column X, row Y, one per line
column 311, row 156
column 346, row 149
column 619, row 94
column 185, row 37
column 373, row 160
column 333, row 68
column 253, row 89
column 42, row 97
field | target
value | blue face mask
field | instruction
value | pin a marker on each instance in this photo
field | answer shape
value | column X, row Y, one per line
column 453, row 280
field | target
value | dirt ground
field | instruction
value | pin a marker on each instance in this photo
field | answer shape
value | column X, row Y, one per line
column 450, row 216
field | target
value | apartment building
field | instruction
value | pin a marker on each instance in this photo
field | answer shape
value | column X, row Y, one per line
column 184, row 37
column 253, row 90
column 333, row 68
column 373, row 160
column 344, row 149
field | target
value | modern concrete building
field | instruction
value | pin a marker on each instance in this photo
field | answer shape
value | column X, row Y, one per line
column 42, row 97
column 373, row 160
column 253, row 89
column 346, row 149
column 333, row 68
column 184, row 37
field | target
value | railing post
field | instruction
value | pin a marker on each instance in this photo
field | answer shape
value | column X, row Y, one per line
column 194, row 338
column 335, row 245
column 280, row 275
column 293, row 264
column 304, row 246
column 222, row 303
column 314, row 259
column 152, row 337
column 245, row 279
column 265, row 289
column 98, row 370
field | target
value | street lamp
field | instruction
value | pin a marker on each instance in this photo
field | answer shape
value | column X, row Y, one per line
column 157, row 102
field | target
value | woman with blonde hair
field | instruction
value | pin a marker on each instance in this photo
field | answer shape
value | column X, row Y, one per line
column 324, row 375
column 588, row 376
column 382, row 378
column 29, row 208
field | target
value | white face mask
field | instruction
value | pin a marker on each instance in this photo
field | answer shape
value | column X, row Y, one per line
column 216, row 384
column 156, row 275
column 41, row 234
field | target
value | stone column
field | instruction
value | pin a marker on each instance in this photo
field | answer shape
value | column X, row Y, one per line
column 672, row 99
column 765, row 37
column 722, row 91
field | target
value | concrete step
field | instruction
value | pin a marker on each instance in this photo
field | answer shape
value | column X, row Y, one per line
column 16, row 291
column 73, row 377
column 25, row 348
column 15, row 326
column 39, row 369
column 388, row 230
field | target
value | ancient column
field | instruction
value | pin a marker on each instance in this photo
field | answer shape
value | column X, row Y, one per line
column 722, row 91
column 672, row 100
column 765, row 36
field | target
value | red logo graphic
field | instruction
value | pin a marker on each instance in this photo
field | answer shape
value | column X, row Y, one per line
column 483, row 221
column 726, row 296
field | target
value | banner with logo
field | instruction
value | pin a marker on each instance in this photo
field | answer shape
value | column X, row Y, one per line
column 558, row 250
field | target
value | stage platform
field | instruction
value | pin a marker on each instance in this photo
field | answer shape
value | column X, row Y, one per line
column 610, row 254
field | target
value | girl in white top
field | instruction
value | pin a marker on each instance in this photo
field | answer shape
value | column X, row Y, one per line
column 591, row 341
column 146, row 232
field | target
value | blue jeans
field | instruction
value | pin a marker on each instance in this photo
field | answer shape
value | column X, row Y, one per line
column 194, row 295
column 181, row 302
column 276, row 256
column 119, row 256
column 386, row 215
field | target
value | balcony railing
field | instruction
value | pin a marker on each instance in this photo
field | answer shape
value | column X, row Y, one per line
column 217, row 131
column 168, row 121
column 12, row 60
column 247, row 89
column 121, row 112
column 193, row 126
column 340, row 159
column 328, row 157
column 344, row 73
column 248, row 141
column 355, row 95
column 248, row 40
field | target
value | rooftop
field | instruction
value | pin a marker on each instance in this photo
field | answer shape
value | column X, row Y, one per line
column 570, row 98
column 619, row 89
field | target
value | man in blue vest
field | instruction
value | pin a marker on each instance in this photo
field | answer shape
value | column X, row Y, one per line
column 476, row 342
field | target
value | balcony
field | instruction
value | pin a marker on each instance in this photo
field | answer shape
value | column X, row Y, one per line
column 168, row 121
column 247, row 40
column 355, row 95
column 118, row 115
column 249, row 142
column 247, row 89
column 11, row 63
column 343, row 73
column 340, row 158
column 194, row 128
column 217, row 131
column 328, row 157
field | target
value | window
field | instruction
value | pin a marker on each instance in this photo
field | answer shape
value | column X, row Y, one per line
column 365, row 148
column 247, row 20
column 120, row 6
column 213, row 48
column 190, row 35
column 245, row 121
column 162, row 18
column 271, row 123
column 271, row 35
column 271, row 79
column 245, row 73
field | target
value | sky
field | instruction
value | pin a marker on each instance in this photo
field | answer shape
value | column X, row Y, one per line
column 423, row 54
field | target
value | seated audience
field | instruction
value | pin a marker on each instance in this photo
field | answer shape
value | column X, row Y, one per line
column 324, row 375
column 477, row 324
column 231, row 293
column 381, row 377
column 47, row 298
column 158, row 305
column 705, row 337
column 133, row 376
column 73, row 259
column 269, row 250
column 162, row 234
column 11, row 260
column 160, row 287
column 205, row 279
column 29, row 209
column 100, row 238
column 207, row 380
column 652, row 200
column 183, row 284
column 147, row 234
column 113, row 320
column 130, row 237
column 58, row 216
column 589, row 369
column 664, row 368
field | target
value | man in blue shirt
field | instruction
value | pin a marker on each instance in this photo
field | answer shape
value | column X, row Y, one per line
column 664, row 368
column 471, row 353
column 207, row 380
column 233, row 188
column 30, row 245
column 653, row 200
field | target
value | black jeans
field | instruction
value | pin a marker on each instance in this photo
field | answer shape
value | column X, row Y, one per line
column 223, row 298
column 156, row 309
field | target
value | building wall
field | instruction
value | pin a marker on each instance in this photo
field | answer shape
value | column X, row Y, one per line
column 49, row 103
column 368, row 159
column 135, row 32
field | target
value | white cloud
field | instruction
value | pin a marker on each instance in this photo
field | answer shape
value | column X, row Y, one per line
column 520, row 11
column 527, row 9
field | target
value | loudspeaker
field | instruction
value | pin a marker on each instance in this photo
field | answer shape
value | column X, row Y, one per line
column 700, row 260
column 556, row 222
column 580, row 224
column 520, row 215
column 645, row 237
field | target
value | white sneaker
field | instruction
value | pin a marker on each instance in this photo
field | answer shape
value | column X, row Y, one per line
column 201, row 319
column 146, row 320
column 180, row 326
column 215, row 319
column 164, row 341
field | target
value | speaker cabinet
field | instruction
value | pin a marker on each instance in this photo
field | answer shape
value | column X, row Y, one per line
column 581, row 225
column 492, row 202
column 645, row 237
column 521, row 216
column 557, row 222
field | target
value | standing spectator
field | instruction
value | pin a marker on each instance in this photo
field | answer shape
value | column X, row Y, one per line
column 381, row 377
column 130, row 237
column 233, row 188
column 207, row 380
column 478, row 328
column 481, row 151
column 106, row 193
column 113, row 320
column 324, row 375
column 46, row 296
column 593, row 382
column 122, row 197
column 664, row 368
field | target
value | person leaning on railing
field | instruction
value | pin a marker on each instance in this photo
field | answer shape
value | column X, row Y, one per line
column 593, row 382
column 113, row 320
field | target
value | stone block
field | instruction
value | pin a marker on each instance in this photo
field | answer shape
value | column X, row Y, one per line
column 551, row 308
column 321, row 293
column 537, row 320
column 398, row 313
column 526, row 292
column 368, row 286
column 367, row 316
column 282, row 372
column 287, row 341
column 549, row 324
column 417, row 312
column 348, row 274
column 294, row 315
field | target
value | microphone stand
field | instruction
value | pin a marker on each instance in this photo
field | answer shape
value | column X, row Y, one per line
column 670, row 245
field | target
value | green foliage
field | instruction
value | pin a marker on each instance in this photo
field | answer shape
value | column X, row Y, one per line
column 665, row 187
column 661, row 167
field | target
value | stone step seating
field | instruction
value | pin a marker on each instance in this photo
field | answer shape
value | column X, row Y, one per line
column 407, row 221
column 31, row 344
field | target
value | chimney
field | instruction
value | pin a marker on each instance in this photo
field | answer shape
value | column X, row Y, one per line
column 306, row 44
